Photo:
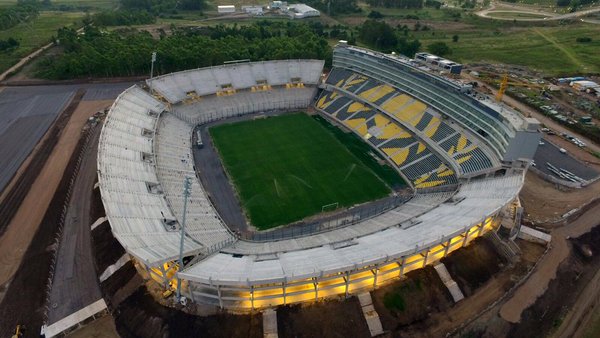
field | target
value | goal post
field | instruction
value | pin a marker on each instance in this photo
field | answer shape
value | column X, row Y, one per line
column 330, row 207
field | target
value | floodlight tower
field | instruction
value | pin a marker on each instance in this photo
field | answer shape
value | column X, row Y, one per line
column 152, row 60
column 187, row 188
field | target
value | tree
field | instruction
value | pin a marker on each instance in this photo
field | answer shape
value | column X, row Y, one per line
column 455, row 38
column 125, row 52
column 378, row 34
column 375, row 15
column 439, row 48
column 408, row 48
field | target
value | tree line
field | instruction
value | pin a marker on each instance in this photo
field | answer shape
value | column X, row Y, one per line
column 163, row 6
column 23, row 11
column 396, row 3
column 127, row 52
column 123, row 17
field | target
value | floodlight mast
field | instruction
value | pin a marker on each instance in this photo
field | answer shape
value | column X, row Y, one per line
column 187, row 186
column 152, row 69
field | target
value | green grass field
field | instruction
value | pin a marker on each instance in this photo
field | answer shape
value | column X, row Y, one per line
column 288, row 167
column 103, row 4
column 551, row 50
column 34, row 34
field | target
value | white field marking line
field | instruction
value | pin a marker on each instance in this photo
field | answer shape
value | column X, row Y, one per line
column 301, row 180
column 276, row 187
column 350, row 171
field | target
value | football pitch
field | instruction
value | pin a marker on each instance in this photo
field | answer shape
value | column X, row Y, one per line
column 288, row 167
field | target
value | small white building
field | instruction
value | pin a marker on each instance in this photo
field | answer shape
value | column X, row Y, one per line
column 278, row 4
column 301, row 11
column 226, row 9
column 253, row 9
column 584, row 85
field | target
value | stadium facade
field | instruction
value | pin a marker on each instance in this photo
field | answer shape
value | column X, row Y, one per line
column 464, row 157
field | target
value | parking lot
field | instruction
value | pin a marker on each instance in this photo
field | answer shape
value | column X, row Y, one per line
column 27, row 112
column 549, row 153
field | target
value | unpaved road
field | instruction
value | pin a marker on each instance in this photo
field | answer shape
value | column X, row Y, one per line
column 544, row 16
column 544, row 204
column 24, row 224
column 537, row 283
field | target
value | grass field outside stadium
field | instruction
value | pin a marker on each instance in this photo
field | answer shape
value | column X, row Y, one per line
column 286, row 168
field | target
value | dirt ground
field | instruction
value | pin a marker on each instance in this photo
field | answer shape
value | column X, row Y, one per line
column 140, row 316
column 25, row 295
column 417, row 296
column 323, row 319
column 543, row 202
column 574, row 273
column 103, row 327
column 538, row 282
column 474, row 265
column 24, row 224
column 484, row 290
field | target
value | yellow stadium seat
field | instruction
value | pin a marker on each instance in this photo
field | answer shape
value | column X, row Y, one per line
column 422, row 179
column 390, row 130
column 432, row 127
column 393, row 104
column 381, row 121
column 401, row 156
column 390, row 151
column 464, row 159
column 430, row 184
column 462, row 143
column 355, row 106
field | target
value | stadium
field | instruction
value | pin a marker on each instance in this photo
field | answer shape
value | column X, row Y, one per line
column 462, row 156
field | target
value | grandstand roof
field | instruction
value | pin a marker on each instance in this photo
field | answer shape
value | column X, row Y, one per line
column 145, row 153
column 206, row 81
column 258, row 263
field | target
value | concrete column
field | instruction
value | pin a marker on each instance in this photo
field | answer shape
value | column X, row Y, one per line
column 252, row 296
column 347, row 278
column 466, row 237
column 164, row 276
column 402, row 262
column 191, row 291
column 447, row 248
column 425, row 257
column 481, row 226
column 284, row 293
column 220, row 296
column 270, row 323
column 375, row 274
column 316, row 285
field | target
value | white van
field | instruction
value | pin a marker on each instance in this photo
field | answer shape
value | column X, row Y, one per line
column 562, row 150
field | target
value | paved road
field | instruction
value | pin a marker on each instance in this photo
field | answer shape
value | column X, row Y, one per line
column 551, row 154
column 75, row 284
